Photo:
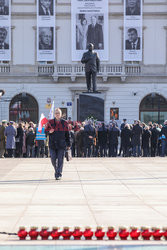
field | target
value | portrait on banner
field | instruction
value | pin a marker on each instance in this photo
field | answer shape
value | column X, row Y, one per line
column 133, row 39
column 45, row 7
column 89, row 29
column 4, row 7
column 45, row 38
column 133, row 8
column 4, row 38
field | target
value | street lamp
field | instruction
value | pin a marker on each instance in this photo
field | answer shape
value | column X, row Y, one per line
column 2, row 92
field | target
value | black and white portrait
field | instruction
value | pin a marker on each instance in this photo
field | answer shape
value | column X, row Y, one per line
column 89, row 29
column 133, row 41
column 4, row 7
column 4, row 38
column 45, row 7
column 45, row 38
column 133, row 7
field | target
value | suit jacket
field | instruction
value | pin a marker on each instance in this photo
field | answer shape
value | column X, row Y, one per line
column 6, row 46
column 45, row 47
column 136, row 135
column 41, row 11
column 135, row 13
column 5, row 11
column 128, row 45
column 89, row 131
column 95, row 35
column 60, row 138
column 91, row 60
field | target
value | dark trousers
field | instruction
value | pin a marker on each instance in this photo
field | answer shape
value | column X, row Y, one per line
column 57, row 159
column 88, row 150
column 10, row 152
column 137, row 149
column 164, row 145
column 102, row 150
column 153, row 149
column 126, row 152
column 91, row 75
column 40, row 148
column 113, row 150
column 18, row 151
column 146, row 151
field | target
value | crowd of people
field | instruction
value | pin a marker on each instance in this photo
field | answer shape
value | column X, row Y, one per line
column 88, row 139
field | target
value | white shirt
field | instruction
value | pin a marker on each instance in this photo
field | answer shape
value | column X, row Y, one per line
column 134, row 44
column 44, row 9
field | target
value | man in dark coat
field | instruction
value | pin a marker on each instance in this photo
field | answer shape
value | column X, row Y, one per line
column 102, row 139
column 46, row 7
column 136, row 138
column 154, row 140
column 19, row 141
column 133, row 43
column 95, row 34
column 79, row 138
column 126, row 135
column 164, row 138
column 2, row 139
column 92, row 66
column 113, row 140
column 89, row 135
column 121, row 128
column 30, row 142
column 59, row 139
column 146, row 141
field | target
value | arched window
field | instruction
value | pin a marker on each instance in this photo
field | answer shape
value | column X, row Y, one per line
column 153, row 108
column 23, row 107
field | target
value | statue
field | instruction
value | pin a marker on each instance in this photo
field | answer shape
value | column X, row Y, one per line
column 92, row 65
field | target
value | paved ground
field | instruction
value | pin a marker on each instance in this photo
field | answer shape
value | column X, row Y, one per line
column 94, row 191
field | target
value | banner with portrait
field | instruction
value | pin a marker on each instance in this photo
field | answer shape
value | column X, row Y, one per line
column 45, row 30
column 133, row 21
column 89, row 24
column 5, row 30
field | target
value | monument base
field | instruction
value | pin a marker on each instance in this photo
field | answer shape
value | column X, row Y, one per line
column 91, row 104
column 91, row 92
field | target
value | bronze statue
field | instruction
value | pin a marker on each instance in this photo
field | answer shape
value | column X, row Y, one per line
column 92, row 65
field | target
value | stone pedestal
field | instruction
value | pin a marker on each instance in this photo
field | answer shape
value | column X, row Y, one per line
column 91, row 104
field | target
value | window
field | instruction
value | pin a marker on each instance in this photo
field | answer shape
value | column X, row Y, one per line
column 153, row 108
column 23, row 107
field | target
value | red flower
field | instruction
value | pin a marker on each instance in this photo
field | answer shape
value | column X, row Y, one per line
column 88, row 233
column 22, row 233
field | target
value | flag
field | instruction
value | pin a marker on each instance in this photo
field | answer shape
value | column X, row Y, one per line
column 42, row 122
column 51, row 113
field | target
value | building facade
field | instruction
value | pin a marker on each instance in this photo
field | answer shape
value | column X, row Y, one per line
column 132, row 90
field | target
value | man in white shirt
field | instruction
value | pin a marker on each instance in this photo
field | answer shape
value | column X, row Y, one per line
column 133, row 42
column 46, row 7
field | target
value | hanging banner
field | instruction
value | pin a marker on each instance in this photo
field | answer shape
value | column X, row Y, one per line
column 5, row 30
column 133, row 30
column 45, row 30
column 89, row 24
